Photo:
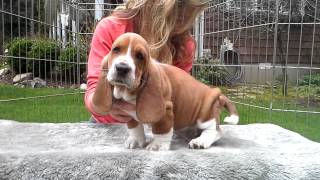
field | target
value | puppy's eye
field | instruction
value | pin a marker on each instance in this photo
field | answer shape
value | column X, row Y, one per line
column 116, row 49
column 139, row 56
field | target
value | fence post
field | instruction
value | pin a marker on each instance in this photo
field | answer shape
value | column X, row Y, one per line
column 78, row 44
column 201, row 30
column 275, row 40
column 98, row 13
column 198, row 33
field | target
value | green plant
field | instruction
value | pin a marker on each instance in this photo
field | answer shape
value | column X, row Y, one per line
column 44, row 52
column 207, row 72
column 314, row 79
column 32, row 55
column 18, row 54
column 68, row 62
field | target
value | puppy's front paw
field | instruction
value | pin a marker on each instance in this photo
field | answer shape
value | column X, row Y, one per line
column 160, row 142
column 135, row 142
column 158, row 146
column 136, row 137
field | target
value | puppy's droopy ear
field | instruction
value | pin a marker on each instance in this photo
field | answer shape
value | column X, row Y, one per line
column 102, row 97
column 150, row 100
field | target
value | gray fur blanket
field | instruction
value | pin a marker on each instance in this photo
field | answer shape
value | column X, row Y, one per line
column 92, row 151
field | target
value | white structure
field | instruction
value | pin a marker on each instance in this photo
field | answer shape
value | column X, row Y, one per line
column 198, row 33
column 57, row 14
column 98, row 9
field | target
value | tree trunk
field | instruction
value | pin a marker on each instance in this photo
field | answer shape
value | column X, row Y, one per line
column 284, row 79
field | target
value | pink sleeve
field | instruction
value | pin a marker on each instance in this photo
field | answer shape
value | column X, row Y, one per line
column 188, row 57
column 190, row 52
column 105, row 33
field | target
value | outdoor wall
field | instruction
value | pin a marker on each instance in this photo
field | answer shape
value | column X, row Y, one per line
column 261, row 74
column 257, row 46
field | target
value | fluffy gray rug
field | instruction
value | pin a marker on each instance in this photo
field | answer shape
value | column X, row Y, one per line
column 91, row 151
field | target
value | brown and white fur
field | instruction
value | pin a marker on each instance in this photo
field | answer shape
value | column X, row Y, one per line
column 166, row 97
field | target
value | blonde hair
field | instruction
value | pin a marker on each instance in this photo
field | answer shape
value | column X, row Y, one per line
column 165, row 24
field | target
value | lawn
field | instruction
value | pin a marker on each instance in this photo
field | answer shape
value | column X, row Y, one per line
column 48, row 105
column 66, row 105
column 305, row 124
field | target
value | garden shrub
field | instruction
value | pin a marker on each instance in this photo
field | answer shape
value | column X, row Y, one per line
column 206, row 71
column 68, row 62
column 45, row 52
column 18, row 52
column 32, row 55
column 314, row 79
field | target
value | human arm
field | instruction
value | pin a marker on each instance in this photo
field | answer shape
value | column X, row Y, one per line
column 186, row 61
column 104, row 112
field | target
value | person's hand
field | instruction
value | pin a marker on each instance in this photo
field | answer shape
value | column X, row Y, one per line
column 118, row 110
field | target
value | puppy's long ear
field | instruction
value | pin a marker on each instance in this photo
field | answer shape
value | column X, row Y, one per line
column 102, row 97
column 150, row 100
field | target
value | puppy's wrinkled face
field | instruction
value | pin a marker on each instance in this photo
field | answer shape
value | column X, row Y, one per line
column 128, row 60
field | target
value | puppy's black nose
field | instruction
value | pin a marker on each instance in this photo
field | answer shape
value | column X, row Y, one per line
column 122, row 68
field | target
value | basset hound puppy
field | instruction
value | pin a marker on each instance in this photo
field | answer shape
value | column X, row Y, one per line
column 166, row 97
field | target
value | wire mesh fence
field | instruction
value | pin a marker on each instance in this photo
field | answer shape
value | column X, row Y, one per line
column 264, row 55
column 39, row 47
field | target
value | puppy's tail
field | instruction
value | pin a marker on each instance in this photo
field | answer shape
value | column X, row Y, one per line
column 233, row 117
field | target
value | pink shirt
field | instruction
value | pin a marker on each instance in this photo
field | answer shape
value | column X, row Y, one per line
column 106, row 32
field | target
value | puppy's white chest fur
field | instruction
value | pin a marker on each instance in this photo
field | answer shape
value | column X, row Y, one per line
column 123, row 93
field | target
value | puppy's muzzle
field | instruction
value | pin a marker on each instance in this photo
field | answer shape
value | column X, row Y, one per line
column 122, row 69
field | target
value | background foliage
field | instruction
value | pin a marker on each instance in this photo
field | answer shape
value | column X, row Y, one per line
column 42, row 56
column 208, row 73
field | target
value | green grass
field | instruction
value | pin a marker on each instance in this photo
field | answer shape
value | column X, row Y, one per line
column 305, row 124
column 62, row 105
column 70, row 108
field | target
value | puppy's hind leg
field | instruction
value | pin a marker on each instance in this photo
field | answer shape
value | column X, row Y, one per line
column 210, row 127
column 209, row 135
column 210, row 130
